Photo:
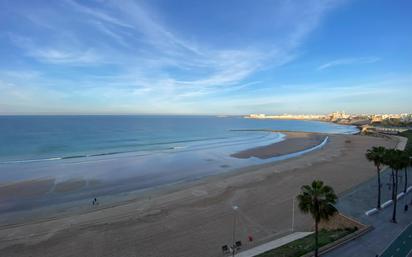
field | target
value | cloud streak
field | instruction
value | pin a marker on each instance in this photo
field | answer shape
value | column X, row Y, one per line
column 348, row 61
column 126, row 51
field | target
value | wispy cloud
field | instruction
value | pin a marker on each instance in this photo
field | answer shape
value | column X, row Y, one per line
column 328, row 96
column 348, row 61
column 58, row 56
column 97, row 14
column 61, row 54
column 127, row 52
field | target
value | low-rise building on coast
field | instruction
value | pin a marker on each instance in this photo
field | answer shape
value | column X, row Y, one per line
column 403, row 117
column 287, row 117
column 398, row 120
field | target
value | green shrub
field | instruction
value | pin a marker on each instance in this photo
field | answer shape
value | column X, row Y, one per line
column 307, row 244
column 407, row 134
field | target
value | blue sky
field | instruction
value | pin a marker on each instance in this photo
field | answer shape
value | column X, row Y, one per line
column 205, row 57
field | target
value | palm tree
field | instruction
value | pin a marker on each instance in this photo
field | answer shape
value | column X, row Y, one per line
column 376, row 155
column 318, row 200
column 409, row 152
column 406, row 162
column 393, row 158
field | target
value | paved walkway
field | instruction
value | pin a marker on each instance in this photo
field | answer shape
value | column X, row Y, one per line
column 363, row 198
column 273, row 244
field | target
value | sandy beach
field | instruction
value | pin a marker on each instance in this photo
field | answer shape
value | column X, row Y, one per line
column 296, row 141
column 196, row 218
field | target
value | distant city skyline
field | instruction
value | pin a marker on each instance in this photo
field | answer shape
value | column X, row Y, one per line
column 205, row 57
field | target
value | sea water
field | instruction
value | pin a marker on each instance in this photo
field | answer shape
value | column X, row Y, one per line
column 37, row 138
column 118, row 155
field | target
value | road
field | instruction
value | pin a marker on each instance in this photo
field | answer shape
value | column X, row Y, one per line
column 401, row 246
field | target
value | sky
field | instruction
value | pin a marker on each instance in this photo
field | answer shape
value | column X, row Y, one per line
column 205, row 57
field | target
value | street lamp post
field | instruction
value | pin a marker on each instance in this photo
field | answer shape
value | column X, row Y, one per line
column 293, row 214
column 406, row 193
column 236, row 245
column 234, row 230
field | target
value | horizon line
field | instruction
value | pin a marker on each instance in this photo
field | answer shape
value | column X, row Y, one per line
column 184, row 114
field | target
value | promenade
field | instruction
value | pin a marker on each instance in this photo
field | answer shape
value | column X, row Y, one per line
column 384, row 232
column 273, row 244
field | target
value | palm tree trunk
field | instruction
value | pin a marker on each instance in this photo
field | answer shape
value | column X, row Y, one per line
column 393, row 184
column 379, row 188
column 405, row 208
column 406, row 180
column 395, row 198
column 316, row 238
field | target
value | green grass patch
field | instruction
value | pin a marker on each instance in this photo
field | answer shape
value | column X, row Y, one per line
column 307, row 244
column 407, row 134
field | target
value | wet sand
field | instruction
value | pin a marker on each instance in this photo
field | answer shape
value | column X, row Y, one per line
column 75, row 185
column 295, row 142
column 25, row 189
column 69, row 185
column 196, row 219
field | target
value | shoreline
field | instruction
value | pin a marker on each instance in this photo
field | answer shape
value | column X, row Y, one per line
column 178, row 213
column 71, row 191
column 354, row 124
column 143, row 148
column 295, row 142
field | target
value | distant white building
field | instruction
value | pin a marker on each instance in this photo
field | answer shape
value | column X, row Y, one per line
column 339, row 116
column 403, row 117
column 257, row 116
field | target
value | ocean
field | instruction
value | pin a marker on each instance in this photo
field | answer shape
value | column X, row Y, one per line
column 66, row 159
column 42, row 138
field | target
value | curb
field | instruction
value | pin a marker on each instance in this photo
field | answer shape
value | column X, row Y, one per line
column 387, row 203
column 346, row 239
